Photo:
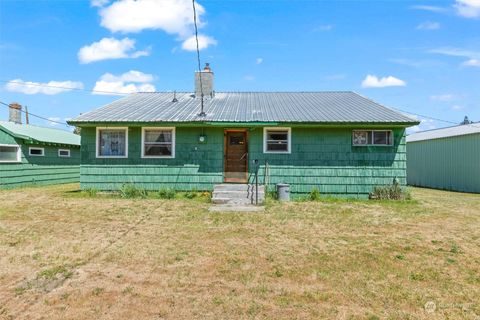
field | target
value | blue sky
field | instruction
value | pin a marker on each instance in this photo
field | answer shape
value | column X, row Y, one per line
column 418, row 56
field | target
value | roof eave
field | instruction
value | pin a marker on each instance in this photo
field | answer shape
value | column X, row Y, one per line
column 80, row 123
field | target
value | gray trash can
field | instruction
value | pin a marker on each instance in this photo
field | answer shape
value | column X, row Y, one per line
column 283, row 192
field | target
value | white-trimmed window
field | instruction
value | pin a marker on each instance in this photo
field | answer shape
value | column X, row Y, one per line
column 64, row 153
column 277, row 140
column 158, row 142
column 36, row 152
column 372, row 138
column 10, row 153
column 112, row 142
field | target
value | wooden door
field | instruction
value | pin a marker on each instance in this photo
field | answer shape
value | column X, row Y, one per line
column 236, row 156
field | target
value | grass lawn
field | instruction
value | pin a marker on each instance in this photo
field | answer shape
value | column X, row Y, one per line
column 65, row 255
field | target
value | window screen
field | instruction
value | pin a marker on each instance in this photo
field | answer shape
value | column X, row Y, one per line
column 277, row 140
column 372, row 138
column 64, row 153
column 381, row 137
column 112, row 143
column 36, row 151
column 158, row 143
column 9, row 153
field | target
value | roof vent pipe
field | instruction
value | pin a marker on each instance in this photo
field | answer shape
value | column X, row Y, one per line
column 15, row 113
column 175, row 96
column 466, row 121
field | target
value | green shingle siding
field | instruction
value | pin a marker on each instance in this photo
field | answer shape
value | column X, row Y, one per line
column 5, row 138
column 39, row 170
column 325, row 159
column 322, row 158
column 451, row 163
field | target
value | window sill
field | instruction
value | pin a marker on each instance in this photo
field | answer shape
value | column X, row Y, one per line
column 277, row 152
column 158, row 157
column 112, row 157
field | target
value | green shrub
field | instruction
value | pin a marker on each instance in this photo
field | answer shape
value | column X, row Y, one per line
column 272, row 194
column 129, row 191
column 166, row 193
column 190, row 194
column 314, row 194
column 91, row 192
column 390, row 192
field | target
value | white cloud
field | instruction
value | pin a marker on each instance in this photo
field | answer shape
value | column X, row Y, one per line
column 204, row 41
column 416, row 63
column 428, row 25
column 429, row 8
column 468, row 8
column 99, row 3
column 259, row 60
column 473, row 57
column 50, row 88
column 128, row 82
column 130, row 76
column 110, row 48
column 171, row 16
column 442, row 97
column 372, row 81
column 53, row 121
column 472, row 63
column 249, row 77
column 457, row 107
column 119, row 88
column 425, row 124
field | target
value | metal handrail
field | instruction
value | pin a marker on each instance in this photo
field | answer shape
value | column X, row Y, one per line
column 254, row 174
column 256, row 183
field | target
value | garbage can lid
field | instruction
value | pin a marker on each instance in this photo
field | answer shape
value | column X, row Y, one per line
column 283, row 185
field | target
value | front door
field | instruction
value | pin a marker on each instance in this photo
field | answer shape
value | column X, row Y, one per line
column 236, row 156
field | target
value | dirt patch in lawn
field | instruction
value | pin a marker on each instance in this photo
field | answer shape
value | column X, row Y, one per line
column 69, row 256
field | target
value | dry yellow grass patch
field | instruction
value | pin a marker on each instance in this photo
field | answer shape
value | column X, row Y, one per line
column 68, row 256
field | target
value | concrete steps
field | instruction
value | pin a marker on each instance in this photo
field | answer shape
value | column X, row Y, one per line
column 237, row 194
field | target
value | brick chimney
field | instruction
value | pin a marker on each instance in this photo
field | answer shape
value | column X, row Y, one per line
column 15, row 113
column 207, row 82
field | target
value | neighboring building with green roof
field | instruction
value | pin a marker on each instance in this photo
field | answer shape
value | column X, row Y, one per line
column 33, row 155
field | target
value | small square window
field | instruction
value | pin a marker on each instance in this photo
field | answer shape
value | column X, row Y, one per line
column 381, row 137
column 277, row 140
column 64, row 153
column 112, row 142
column 158, row 143
column 37, row 152
column 360, row 138
column 372, row 138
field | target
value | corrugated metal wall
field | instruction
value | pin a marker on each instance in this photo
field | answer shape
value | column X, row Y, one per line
column 451, row 163
column 320, row 158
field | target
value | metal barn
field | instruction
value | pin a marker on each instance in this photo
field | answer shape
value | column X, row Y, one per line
column 447, row 158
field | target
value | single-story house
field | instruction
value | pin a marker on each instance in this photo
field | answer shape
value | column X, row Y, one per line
column 339, row 142
column 446, row 158
column 33, row 155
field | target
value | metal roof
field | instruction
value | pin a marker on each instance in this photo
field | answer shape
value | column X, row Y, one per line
column 299, row 107
column 459, row 130
column 40, row 134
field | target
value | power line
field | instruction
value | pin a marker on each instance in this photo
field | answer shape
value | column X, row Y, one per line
column 37, row 116
column 432, row 118
column 201, row 91
column 202, row 113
